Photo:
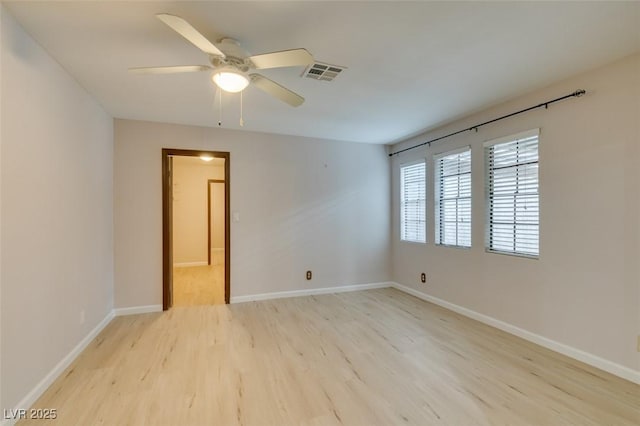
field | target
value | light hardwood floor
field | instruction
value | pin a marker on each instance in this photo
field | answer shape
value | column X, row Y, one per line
column 200, row 285
column 377, row 357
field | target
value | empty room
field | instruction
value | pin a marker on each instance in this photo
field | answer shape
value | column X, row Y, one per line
column 319, row 213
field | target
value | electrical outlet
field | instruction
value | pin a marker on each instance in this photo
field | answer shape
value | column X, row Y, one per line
column 309, row 275
column 423, row 278
column 82, row 316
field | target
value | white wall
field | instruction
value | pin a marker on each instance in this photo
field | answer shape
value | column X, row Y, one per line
column 190, row 186
column 584, row 289
column 56, row 213
column 303, row 204
column 1, row 49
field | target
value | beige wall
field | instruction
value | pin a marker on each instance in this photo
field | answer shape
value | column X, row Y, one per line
column 217, row 216
column 303, row 204
column 56, row 213
column 190, row 176
column 584, row 290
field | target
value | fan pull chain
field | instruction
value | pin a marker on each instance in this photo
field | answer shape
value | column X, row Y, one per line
column 220, row 108
column 241, row 119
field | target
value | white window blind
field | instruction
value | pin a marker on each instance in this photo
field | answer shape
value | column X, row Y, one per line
column 413, row 202
column 512, row 195
column 453, row 198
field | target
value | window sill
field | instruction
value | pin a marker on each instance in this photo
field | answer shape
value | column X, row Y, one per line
column 453, row 247
column 506, row 253
column 422, row 243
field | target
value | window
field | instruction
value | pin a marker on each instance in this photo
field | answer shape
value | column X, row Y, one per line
column 453, row 198
column 413, row 202
column 512, row 194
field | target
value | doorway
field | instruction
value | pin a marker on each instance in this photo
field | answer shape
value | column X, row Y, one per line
column 196, row 231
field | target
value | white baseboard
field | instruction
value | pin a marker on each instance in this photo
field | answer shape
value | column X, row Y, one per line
column 187, row 264
column 133, row 310
column 44, row 384
column 580, row 355
column 309, row 292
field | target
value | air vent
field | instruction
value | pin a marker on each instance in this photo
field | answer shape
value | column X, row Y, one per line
column 324, row 72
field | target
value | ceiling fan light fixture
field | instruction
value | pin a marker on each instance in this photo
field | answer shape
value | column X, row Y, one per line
column 230, row 80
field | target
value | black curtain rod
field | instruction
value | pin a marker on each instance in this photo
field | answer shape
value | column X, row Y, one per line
column 546, row 104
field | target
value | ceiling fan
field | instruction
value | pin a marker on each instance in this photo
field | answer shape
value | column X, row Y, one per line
column 231, row 65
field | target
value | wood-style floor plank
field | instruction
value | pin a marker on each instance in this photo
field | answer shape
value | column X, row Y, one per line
column 377, row 357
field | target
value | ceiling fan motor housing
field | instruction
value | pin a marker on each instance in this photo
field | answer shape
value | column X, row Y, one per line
column 240, row 64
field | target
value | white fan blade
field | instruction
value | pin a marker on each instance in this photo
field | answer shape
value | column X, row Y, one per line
column 185, row 29
column 169, row 70
column 274, row 89
column 285, row 58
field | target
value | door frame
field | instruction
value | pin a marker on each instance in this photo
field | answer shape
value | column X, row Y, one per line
column 209, row 182
column 167, row 207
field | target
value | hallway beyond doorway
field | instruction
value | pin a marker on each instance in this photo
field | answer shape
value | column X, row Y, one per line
column 195, row 223
column 200, row 285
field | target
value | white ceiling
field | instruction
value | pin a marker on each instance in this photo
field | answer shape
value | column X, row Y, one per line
column 411, row 65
